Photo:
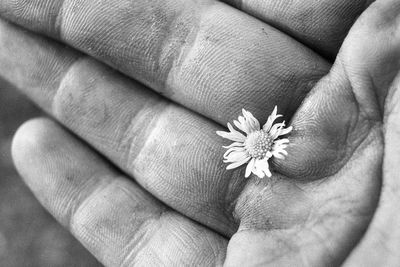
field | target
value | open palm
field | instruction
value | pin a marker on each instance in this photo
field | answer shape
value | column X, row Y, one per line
column 183, row 207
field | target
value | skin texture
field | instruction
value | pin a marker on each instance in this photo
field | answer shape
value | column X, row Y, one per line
column 313, row 211
column 320, row 24
column 203, row 54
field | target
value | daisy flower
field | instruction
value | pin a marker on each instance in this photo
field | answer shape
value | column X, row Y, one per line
column 255, row 145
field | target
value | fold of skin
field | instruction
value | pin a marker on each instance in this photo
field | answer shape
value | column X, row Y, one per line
column 319, row 201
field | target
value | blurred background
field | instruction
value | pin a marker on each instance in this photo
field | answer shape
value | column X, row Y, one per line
column 29, row 236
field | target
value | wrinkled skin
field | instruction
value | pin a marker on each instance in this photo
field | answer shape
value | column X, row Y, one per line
column 136, row 174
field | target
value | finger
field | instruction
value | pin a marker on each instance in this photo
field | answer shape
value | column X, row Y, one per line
column 381, row 240
column 114, row 218
column 347, row 105
column 383, row 237
column 338, row 139
column 204, row 55
column 321, row 25
column 172, row 152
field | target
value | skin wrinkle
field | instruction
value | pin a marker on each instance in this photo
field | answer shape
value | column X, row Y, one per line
column 182, row 46
column 57, row 58
column 106, row 225
column 159, row 181
column 66, row 103
column 82, row 207
column 260, row 205
column 183, row 240
column 148, row 115
column 68, row 220
column 146, row 236
column 177, row 33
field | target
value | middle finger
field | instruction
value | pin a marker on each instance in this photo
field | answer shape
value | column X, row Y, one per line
column 204, row 55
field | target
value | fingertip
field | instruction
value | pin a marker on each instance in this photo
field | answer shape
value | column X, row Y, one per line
column 32, row 139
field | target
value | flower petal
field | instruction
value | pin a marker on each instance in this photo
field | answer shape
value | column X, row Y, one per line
column 230, row 127
column 235, row 156
column 237, row 164
column 275, row 129
column 278, row 155
column 234, row 149
column 240, row 126
column 284, row 131
column 262, row 167
column 258, row 172
column 281, row 142
column 251, row 120
column 249, row 168
column 232, row 135
column 236, row 144
column 267, row 126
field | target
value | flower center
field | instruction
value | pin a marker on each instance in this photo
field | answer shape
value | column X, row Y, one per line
column 258, row 144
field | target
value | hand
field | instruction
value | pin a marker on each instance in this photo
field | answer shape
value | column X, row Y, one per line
column 280, row 214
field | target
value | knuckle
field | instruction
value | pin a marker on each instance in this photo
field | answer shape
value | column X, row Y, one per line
column 76, row 96
column 111, row 227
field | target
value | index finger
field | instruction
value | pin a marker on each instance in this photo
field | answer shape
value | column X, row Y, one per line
column 204, row 55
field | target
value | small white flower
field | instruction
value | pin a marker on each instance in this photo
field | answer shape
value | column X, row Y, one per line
column 255, row 145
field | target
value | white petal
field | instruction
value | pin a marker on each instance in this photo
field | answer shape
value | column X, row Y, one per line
column 231, row 136
column 267, row 126
column 235, row 156
column 275, row 129
column 253, row 123
column 284, row 152
column 234, row 149
column 230, row 127
column 258, row 172
column 262, row 166
column 244, row 126
column 236, row 144
column 279, row 147
column 240, row 126
column 285, row 130
column 281, row 142
column 237, row 164
column 279, row 151
column 278, row 155
column 249, row 167
column 267, row 172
